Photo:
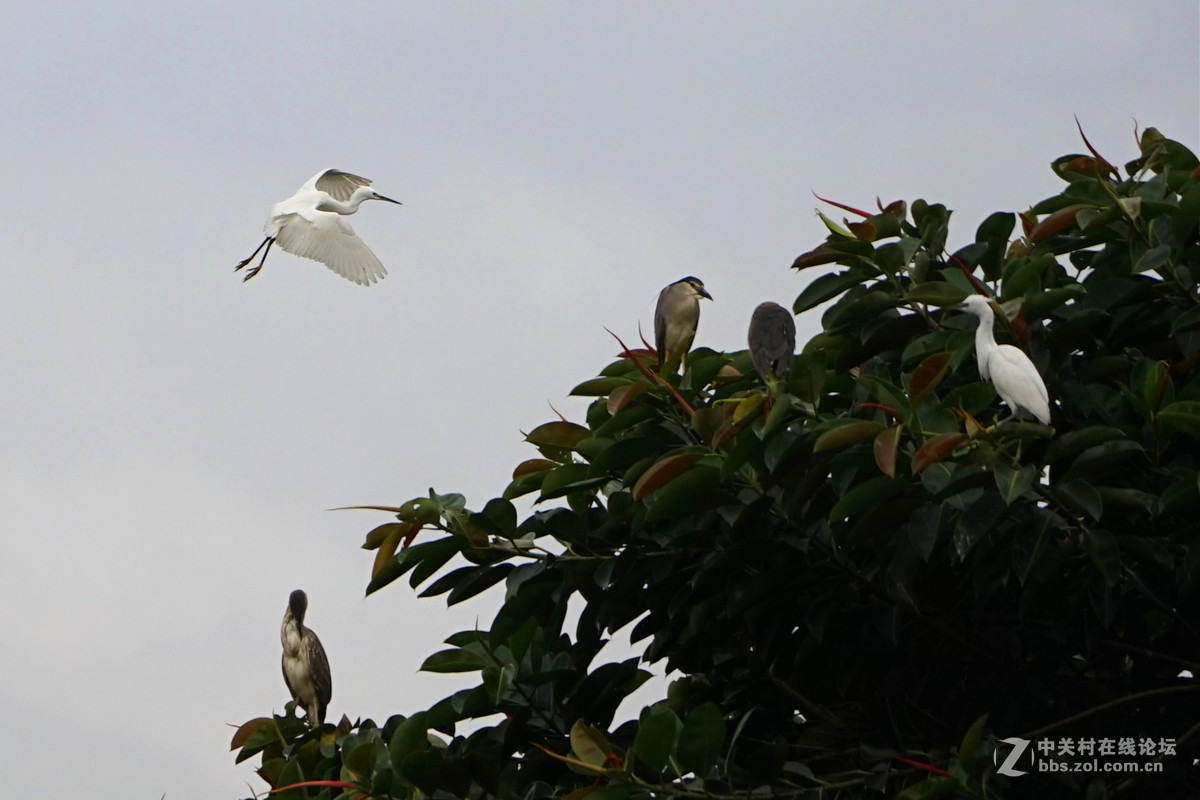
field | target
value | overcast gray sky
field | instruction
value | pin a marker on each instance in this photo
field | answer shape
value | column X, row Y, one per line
column 171, row 437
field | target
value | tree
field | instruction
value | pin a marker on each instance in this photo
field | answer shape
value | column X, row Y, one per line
column 864, row 580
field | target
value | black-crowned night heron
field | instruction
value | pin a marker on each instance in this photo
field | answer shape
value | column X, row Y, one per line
column 305, row 667
column 1008, row 368
column 772, row 340
column 311, row 223
column 675, row 320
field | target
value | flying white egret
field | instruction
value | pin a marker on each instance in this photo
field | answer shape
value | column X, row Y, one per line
column 311, row 223
column 772, row 340
column 675, row 319
column 305, row 667
column 1008, row 368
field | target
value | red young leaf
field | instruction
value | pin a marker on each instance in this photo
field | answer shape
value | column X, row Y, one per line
column 531, row 466
column 661, row 472
column 935, row 449
column 624, row 396
column 887, row 443
column 926, row 377
column 1057, row 222
column 851, row 209
column 1109, row 167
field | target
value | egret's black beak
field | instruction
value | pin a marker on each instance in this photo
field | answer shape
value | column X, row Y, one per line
column 388, row 199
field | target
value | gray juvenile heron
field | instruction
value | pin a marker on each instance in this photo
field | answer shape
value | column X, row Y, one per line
column 305, row 667
column 772, row 340
column 1008, row 368
column 675, row 320
column 311, row 223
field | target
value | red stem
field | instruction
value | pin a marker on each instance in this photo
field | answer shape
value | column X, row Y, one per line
column 851, row 209
column 1099, row 157
column 888, row 409
column 979, row 287
column 651, row 376
column 926, row 767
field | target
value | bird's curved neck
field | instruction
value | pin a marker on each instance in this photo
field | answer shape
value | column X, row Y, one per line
column 360, row 194
column 292, row 627
column 985, row 339
column 337, row 206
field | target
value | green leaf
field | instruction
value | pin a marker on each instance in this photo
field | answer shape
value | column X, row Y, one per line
column 658, row 730
column 1013, row 483
column 448, row 581
column 868, row 494
column 1103, row 459
column 453, row 660
column 936, row 293
column 1083, row 496
column 834, row 228
column 701, row 738
column 434, row 559
column 1189, row 320
column 885, row 392
column 1183, row 415
column 971, row 397
column 852, row 432
column 410, row 736
column 498, row 681
column 555, row 438
column 599, row 387
column 827, row 287
column 589, row 745
column 452, row 501
column 1039, row 304
column 569, row 478
column 423, row 769
column 1071, row 444
column 854, row 310
column 475, row 583
column 439, row 551
column 1021, row 273
column 696, row 490
column 806, row 380
column 970, row 741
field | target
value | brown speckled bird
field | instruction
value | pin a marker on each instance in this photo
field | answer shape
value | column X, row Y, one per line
column 305, row 667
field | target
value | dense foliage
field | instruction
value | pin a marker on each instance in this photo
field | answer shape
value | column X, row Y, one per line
column 863, row 581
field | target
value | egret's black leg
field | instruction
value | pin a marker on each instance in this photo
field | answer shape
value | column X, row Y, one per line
column 252, row 272
column 246, row 261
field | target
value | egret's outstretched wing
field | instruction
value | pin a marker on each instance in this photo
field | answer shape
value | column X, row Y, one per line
column 326, row 237
column 1018, row 382
column 339, row 185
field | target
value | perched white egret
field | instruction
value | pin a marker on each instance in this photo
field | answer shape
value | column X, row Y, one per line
column 305, row 667
column 1008, row 368
column 675, row 319
column 311, row 223
column 772, row 340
